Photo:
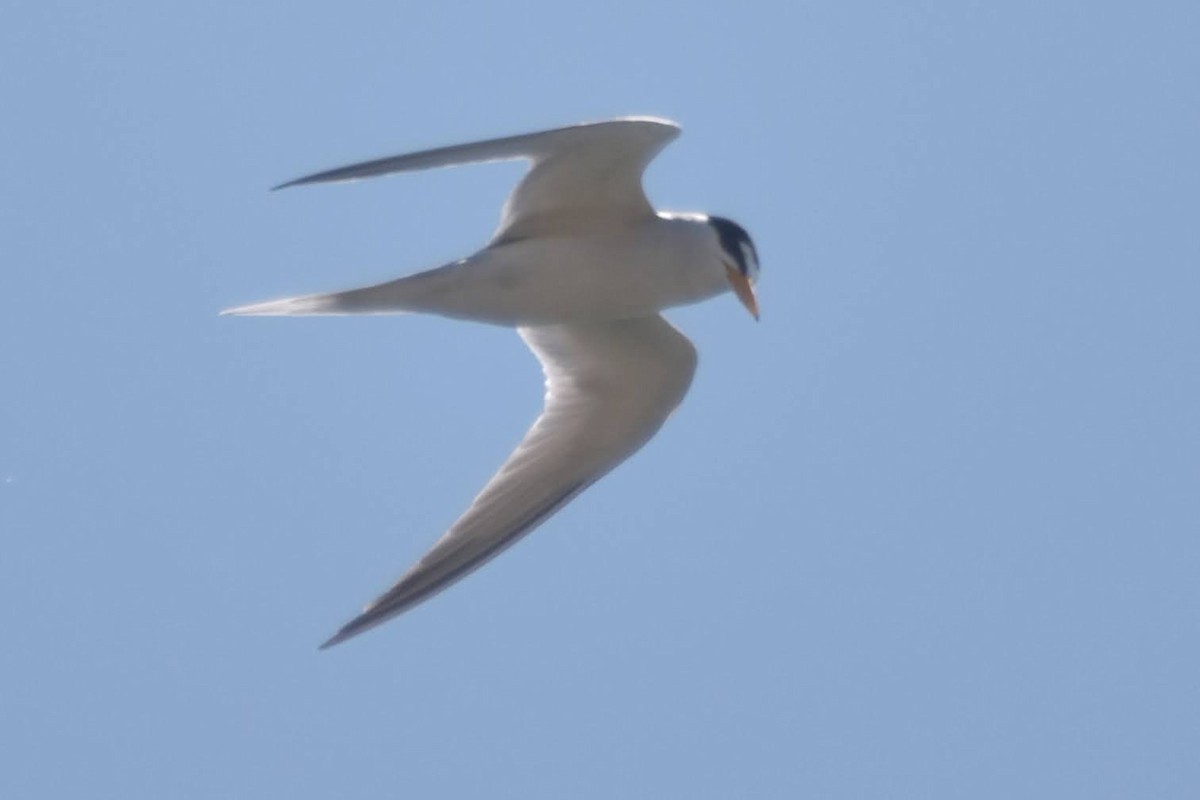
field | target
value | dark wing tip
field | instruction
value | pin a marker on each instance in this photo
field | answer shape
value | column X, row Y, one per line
column 336, row 639
column 362, row 622
column 342, row 635
column 328, row 176
column 317, row 178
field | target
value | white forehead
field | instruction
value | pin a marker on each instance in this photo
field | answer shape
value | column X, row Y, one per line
column 748, row 253
column 749, row 258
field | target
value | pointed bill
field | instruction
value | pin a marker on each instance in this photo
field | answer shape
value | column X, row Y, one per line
column 743, row 290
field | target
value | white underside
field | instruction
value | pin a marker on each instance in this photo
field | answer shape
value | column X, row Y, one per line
column 633, row 272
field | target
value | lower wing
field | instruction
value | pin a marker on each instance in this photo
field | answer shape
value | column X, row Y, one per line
column 609, row 388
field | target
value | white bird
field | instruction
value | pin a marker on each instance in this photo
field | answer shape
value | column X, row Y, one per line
column 580, row 265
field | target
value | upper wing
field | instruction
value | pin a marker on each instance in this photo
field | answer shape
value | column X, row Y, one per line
column 609, row 387
column 583, row 177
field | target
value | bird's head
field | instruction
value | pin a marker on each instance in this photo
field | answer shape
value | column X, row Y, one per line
column 740, row 260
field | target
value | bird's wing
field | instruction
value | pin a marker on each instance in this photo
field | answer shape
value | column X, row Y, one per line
column 583, row 178
column 609, row 387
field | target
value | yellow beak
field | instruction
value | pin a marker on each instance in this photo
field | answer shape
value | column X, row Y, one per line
column 743, row 290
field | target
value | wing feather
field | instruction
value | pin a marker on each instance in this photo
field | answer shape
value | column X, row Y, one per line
column 609, row 388
column 582, row 178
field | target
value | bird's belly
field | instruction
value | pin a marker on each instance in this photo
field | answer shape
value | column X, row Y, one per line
column 550, row 281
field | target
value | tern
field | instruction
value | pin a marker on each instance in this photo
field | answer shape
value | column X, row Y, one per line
column 581, row 265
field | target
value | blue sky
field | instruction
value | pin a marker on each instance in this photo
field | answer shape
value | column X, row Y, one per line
column 928, row 530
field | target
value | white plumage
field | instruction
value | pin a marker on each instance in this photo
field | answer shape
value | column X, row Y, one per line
column 581, row 264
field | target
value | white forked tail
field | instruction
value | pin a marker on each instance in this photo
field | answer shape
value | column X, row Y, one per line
column 403, row 295
column 290, row 307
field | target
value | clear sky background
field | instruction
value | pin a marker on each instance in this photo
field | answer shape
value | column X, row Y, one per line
column 930, row 530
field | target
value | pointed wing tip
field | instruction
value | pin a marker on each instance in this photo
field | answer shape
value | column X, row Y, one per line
column 332, row 641
column 347, row 631
column 365, row 621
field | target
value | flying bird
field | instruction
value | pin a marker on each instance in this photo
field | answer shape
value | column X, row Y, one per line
column 581, row 265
